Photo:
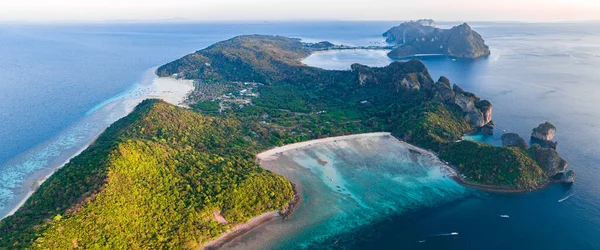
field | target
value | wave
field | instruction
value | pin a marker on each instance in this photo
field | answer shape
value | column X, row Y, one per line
column 566, row 198
column 138, row 89
column 21, row 175
column 446, row 234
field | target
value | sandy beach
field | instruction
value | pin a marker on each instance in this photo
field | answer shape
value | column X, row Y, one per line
column 240, row 230
column 171, row 90
column 281, row 161
column 273, row 153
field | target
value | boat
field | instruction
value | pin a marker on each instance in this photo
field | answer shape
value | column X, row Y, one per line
column 566, row 198
column 504, row 216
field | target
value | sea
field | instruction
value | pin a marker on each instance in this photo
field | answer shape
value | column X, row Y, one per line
column 58, row 82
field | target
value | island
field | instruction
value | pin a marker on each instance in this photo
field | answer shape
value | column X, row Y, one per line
column 171, row 177
column 422, row 37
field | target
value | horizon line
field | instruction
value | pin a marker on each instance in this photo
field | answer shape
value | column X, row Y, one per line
column 183, row 20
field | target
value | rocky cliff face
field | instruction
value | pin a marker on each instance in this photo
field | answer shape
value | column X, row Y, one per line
column 554, row 166
column 543, row 151
column 549, row 160
column 411, row 75
column 409, row 31
column 478, row 113
column 568, row 177
column 414, row 39
column 513, row 140
column 544, row 132
column 543, row 135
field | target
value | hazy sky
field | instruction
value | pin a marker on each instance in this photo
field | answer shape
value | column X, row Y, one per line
column 449, row 10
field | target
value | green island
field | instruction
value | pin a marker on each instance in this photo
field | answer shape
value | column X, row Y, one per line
column 170, row 177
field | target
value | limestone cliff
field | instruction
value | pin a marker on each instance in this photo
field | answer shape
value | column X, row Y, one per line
column 546, row 157
column 413, row 76
column 513, row 140
column 544, row 134
column 478, row 113
column 398, row 76
column 413, row 38
column 549, row 160
column 409, row 31
column 568, row 177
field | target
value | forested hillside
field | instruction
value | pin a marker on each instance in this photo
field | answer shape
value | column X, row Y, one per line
column 163, row 176
column 296, row 102
column 154, row 180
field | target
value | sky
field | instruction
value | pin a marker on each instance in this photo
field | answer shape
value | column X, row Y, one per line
column 217, row 10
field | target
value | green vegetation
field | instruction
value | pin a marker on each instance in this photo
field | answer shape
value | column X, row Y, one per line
column 244, row 58
column 152, row 180
column 206, row 106
column 283, row 97
column 431, row 125
column 300, row 103
column 498, row 166
column 157, row 178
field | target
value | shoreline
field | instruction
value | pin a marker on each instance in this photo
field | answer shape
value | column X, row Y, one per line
column 276, row 152
column 240, row 230
column 34, row 185
column 256, row 222
column 174, row 91
column 497, row 189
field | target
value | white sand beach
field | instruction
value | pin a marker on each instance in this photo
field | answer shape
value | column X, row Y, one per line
column 323, row 186
column 272, row 154
column 240, row 230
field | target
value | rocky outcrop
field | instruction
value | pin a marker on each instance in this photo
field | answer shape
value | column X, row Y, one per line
column 478, row 113
column 413, row 76
column 442, row 90
column 568, row 177
column 513, row 140
column 543, row 151
column 549, row 160
column 409, row 31
column 320, row 45
column 544, row 134
column 414, row 38
column 399, row 76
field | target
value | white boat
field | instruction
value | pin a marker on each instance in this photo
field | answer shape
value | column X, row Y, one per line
column 504, row 216
column 566, row 198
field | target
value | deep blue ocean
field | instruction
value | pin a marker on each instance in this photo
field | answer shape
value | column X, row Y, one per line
column 54, row 76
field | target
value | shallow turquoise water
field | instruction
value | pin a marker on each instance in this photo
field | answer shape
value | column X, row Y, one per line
column 52, row 75
column 362, row 181
column 536, row 73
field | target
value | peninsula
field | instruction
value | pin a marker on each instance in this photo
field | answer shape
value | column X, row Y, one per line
column 422, row 37
column 171, row 177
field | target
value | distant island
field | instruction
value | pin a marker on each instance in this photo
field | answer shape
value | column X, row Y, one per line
column 422, row 37
column 171, row 177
